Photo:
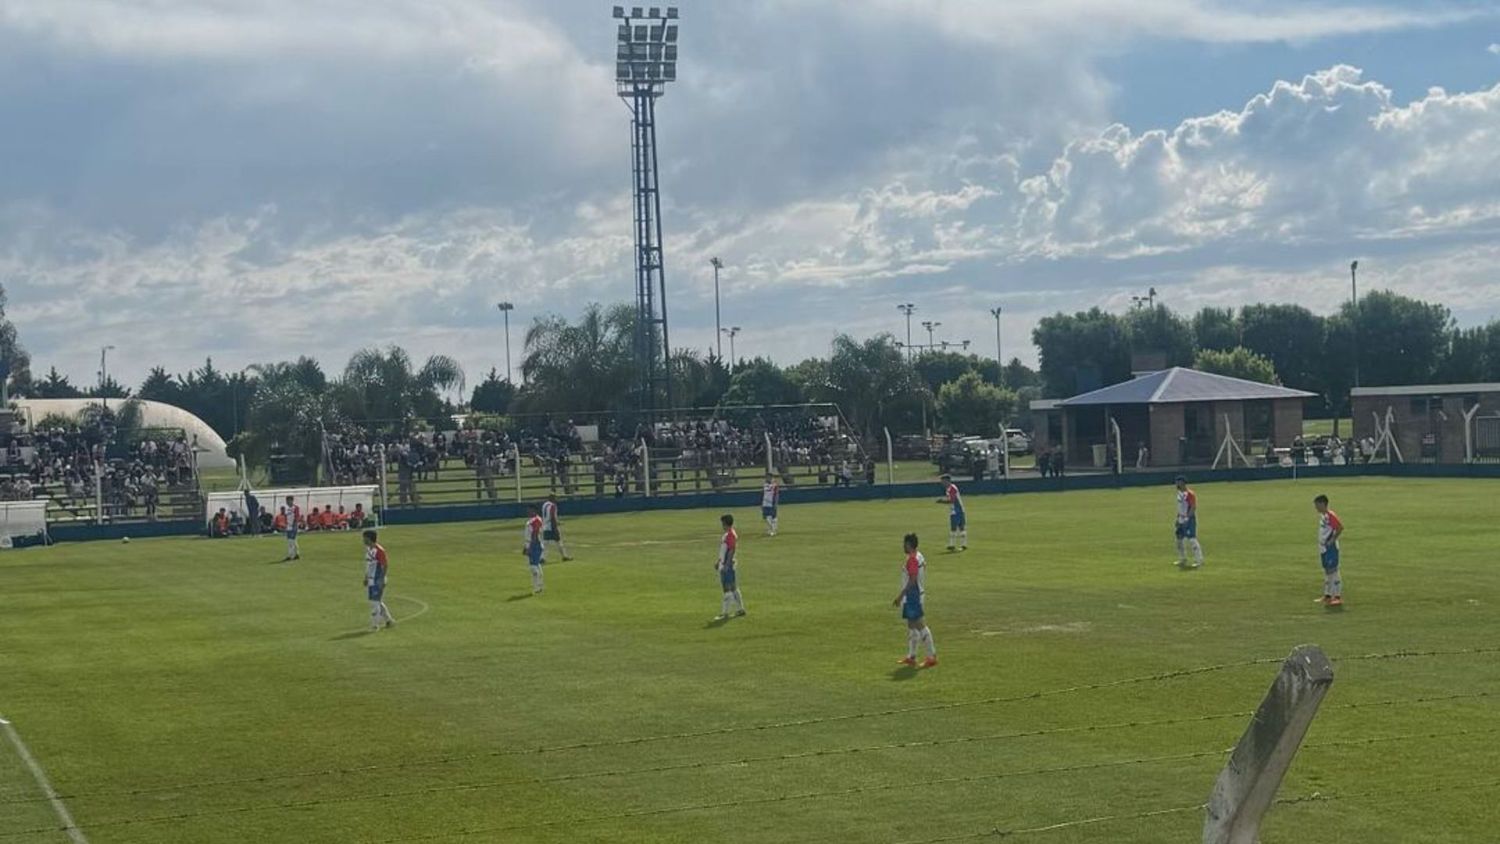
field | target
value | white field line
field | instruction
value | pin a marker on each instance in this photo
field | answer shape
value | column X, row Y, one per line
column 403, row 619
column 68, row 824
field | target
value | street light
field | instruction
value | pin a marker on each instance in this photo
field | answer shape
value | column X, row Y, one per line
column 907, row 308
column 506, row 308
column 718, row 327
column 999, row 354
column 104, row 374
column 1354, row 294
column 930, row 326
column 732, row 331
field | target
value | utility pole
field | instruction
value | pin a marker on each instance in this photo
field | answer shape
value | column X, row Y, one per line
column 1354, row 297
column 907, row 308
column 506, row 308
column 718, row 325
column 999, row 351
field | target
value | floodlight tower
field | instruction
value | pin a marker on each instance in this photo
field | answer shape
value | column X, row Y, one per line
column 645, row 61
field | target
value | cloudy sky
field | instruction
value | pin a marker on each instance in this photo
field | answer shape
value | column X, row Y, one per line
column 258, row 179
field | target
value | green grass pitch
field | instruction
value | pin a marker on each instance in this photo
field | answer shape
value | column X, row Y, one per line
column 198, row 691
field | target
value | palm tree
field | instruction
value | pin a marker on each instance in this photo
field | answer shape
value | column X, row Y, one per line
column 587, row 365
column 383, row 385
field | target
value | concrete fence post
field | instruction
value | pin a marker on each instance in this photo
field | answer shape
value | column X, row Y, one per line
column 1247, row 786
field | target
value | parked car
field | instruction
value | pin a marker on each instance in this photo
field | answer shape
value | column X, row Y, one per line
column 960, row 456
column 1017, row 441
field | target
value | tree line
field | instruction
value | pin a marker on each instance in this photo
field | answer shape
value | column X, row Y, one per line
column 1400, row 341
column 588, row 365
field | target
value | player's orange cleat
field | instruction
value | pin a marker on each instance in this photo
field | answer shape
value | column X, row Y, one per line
column 1336, row 601
column 910, row 661
column 930, row 662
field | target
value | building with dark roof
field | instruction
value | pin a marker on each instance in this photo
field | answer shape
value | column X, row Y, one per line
column 1180, row 414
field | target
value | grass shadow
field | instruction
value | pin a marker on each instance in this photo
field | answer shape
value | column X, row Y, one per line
column 716, row 623
column 352, row 634
column 903, row 673
column 520, row 596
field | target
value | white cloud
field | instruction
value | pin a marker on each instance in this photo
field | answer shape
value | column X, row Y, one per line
column 327, row 174
column 1217, row 21
column 1494, row 49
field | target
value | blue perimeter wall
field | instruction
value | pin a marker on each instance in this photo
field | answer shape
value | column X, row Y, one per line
column 795, row 495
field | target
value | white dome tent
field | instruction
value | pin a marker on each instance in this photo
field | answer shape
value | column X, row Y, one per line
column 154, row 414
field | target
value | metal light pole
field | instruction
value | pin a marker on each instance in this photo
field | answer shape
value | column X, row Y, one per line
column 1354, row 293
column 999, row 351
column 907, row 308
column 732, row 331
column 645, row 62
column 930, row 326
column 718, row 324
column 104, row 374
column 506, row 308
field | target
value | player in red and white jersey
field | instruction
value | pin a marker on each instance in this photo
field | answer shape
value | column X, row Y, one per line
column 375, row 569
column 293, row 523
column 551, row 528
column 909, row 599
column 1329, row 531
column 533, row 548
column 770, row 497
column 727, row 566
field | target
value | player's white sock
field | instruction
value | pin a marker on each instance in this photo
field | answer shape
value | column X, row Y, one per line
column 536, row 578
column 385, row 613
column 1197, row 552
column 912, row 638
column 1337, row 583
column 1181, row 551
column 952, row 538
column 927, row 640
column 739, row 600
column 374, row 613
column 1327, row 584
column 728, row 602
column 562, row 549
column 291, row 548
column 963, row 538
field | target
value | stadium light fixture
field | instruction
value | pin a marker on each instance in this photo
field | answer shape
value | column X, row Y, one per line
column 999, row 350
column 907, row 308
column 1354, row 298
column 104, row 374
column 645, row 61
column 733, row 331
column 931, row 326
column 718, row 324
column 506, row 308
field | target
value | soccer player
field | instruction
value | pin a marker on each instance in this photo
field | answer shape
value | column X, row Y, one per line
column 1187, row 525
column 770, row 494
column 533, row 549
column 725, row 566
column 909, row 599
column 375, row 565
column 958, row 526
column 293, row 520
column 1329, row 531
column 551, row 529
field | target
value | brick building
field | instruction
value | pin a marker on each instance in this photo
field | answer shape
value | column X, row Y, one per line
column 1179, row 413
column 1428, row 420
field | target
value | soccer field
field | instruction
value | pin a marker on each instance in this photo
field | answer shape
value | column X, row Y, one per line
column 199, row 691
